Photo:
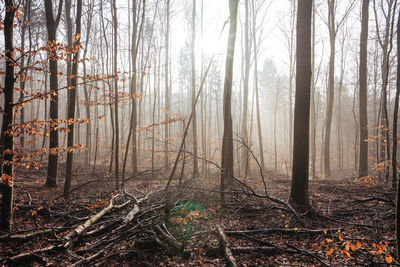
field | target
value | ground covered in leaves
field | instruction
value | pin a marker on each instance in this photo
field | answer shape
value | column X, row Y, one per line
column 351, row 223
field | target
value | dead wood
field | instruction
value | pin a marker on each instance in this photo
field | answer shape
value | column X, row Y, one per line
column 284, row 231
column 225, row 248
column 268, row 251
column 74, row 234
column 22, row 237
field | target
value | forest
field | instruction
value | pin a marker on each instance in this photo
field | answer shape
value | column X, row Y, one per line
column 199, row 133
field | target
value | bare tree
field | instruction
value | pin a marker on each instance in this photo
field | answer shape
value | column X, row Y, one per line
column 115, row 70
column 52, row 25
column 193, row 84
column 7, row 140
column 71, row 97
column 299, row 187
column 363, row 98
column 227, row 141
column 333, row 27
column 247, row 45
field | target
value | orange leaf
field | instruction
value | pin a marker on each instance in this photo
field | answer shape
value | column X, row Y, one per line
column 388, row 258
column 345, row 254
column 359, row 245
column 329, row 240
column 329, row 252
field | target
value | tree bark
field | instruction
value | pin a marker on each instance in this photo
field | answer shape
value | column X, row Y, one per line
column 299, row 187
column 71, row 97
column 7, row 139
column 52, row 25
column 193, row 85
column 227, row 141
column 115, row 70
column 363, row 97
column 245, row 137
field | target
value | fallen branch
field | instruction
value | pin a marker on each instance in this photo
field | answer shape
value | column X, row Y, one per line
column 74, row 234
column 284, row 231
column 25, row 236
column 223, row 243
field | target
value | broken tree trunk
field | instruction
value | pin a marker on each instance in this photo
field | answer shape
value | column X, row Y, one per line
column 224, row 247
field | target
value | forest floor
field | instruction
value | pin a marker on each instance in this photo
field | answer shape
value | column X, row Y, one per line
column 351, row 223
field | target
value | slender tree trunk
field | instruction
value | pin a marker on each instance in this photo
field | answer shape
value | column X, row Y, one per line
column 193, row 85
column 331, row 88
column 167, row 101
column 227, row 141
column 313, row 119
column 395, row 144
column 52, row 25
column 245, row 152
column 7, row 140
column 363, row 98
column 116, row 98
column 275, row 117
column 71, row 98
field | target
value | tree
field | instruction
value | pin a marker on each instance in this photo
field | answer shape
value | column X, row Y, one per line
column 395, row 142
column 299, row 187
column 385, row 42
column 7, row 144
column 247, row 43
column 192, row 55
column 333, row 28
column 71, row 97
column 227, row 140
column 115, row 61
column 363, row 155
column 51, row 26
column 260, row 138
column 167, row 96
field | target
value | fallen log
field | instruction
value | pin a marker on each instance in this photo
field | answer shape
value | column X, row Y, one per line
column 284, row 231
column 240, row 250
column 18, row 237
column 223, row 243
column 74, row 234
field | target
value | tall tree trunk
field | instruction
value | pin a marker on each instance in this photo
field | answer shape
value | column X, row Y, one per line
column 24, row 26
column 331, row 87
column 115, row 70
column 363, row 98
column 299, row 187
column 260, row 140
column 88, row 145
column 7, row 140
column 52, row 25
column 313, row 117
column 395, row 143
column 193, row 85
column 245, row 137
column 275, row 117
column 167, row 100
column 71, row 98
column 227, row 141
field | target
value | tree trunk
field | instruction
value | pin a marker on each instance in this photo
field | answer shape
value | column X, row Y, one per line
column 193, row 85
column 52, row 25
column 7, row 140
column 227, row 141
column 245, row 137
column 299, row 187
column 71, row 98
column 363, row 98
column 167, row 101
column 331, row 88
column 115, row 70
